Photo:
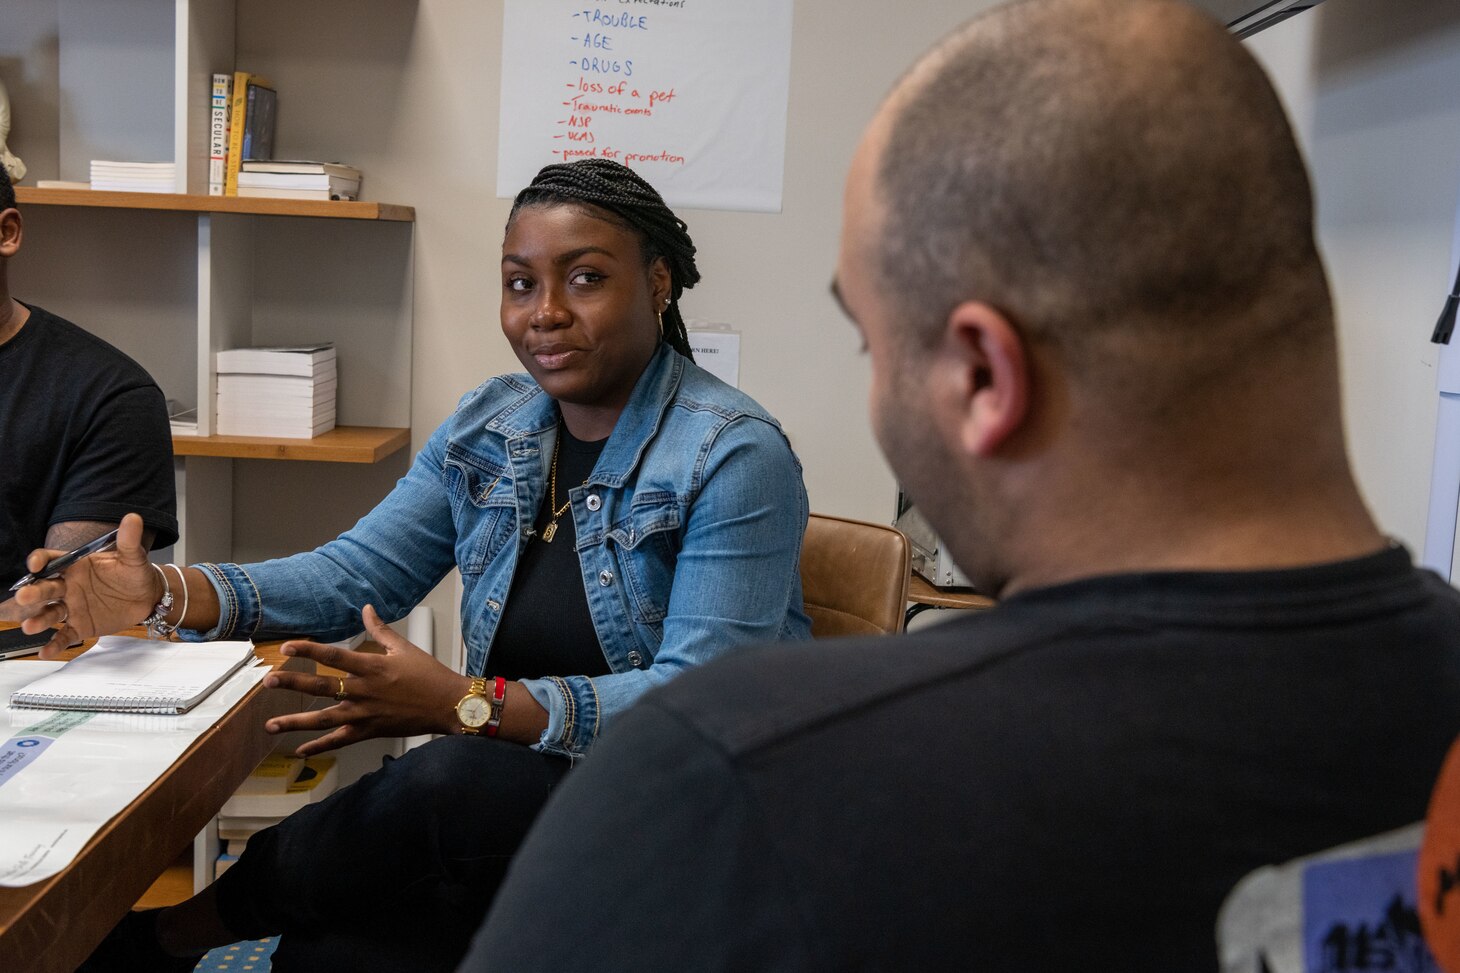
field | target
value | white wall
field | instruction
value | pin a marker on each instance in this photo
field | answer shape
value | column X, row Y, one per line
column 1373, row 88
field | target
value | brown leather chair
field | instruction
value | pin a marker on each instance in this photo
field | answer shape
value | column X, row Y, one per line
column 854, row 576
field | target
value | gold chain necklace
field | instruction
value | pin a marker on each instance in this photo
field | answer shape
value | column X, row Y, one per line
column 552, row 527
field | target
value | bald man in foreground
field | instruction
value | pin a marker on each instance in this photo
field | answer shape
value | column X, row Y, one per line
column 1078, row 243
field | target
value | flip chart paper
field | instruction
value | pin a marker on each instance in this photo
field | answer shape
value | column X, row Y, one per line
column 691, row 94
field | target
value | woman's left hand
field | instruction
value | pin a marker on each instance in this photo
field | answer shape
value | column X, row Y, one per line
column 403, row 692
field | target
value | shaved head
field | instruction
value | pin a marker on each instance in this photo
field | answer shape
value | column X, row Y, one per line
column 1117, row 176
column 1078, row 243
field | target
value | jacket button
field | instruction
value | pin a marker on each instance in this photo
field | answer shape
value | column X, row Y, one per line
column 494, row 606
column 605, row 578
column 635, row 659
column 593, row 503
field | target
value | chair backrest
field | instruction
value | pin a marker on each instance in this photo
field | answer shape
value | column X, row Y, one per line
column 854, row 576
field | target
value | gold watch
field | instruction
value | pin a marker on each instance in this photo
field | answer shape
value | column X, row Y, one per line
column 477, row 709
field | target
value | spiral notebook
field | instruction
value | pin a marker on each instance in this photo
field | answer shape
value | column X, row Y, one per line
column 122, row 674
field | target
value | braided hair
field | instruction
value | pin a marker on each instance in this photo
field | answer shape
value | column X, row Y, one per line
column 637, row 207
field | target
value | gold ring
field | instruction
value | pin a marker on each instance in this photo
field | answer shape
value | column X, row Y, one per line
column 341, row 695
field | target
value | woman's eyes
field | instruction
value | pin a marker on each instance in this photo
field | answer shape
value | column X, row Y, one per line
column 579, row 278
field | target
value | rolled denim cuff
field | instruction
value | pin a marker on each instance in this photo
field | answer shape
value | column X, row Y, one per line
column 239, row 605
column 573, row 714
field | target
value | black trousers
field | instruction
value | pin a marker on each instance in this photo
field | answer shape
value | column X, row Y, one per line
column 396, row 871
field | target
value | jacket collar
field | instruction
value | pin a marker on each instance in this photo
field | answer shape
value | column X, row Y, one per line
column 535, row 413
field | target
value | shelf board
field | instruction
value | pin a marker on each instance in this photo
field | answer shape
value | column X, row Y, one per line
column 258, row 206
column 342, row 444
column 174, row 885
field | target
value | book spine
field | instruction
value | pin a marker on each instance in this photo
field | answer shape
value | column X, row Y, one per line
column 252, row 110
column 218, row 133
column 236, row 122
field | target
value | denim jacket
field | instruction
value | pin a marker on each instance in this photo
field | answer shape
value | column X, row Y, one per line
column 688, row 531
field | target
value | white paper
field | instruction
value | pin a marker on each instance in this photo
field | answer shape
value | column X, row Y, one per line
column 65, row 774
column 689, row 93
column 717, row 351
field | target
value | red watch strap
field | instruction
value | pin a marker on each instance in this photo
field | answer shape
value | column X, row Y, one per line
column 499, row 697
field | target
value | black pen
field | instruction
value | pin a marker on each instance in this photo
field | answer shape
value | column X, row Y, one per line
column 57, row 565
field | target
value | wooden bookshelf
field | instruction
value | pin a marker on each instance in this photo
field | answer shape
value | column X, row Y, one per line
column 249, row 205
column 342, row 444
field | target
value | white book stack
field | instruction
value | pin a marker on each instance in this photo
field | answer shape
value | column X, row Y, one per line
column 299, row 180
column 288, row 393
column 133, row 177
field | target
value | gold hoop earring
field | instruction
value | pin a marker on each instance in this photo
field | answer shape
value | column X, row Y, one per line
column 660, row 316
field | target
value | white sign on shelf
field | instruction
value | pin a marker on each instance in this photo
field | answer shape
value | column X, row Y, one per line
column 691, row 94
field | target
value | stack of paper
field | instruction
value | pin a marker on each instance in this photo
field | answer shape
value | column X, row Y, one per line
column 282, row 392
column 299, row 180
column 184, row 422
column 133, row 177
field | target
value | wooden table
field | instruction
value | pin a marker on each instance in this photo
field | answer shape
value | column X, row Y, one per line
column 51, row 926
column 922, row 595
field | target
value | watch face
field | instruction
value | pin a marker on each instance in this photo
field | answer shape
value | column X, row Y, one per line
column 473, row 711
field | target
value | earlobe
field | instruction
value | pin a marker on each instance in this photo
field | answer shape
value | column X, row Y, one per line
column 992, row 374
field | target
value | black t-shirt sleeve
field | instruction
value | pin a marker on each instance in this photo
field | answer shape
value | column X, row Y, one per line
column 651, row 856
column 123, row 464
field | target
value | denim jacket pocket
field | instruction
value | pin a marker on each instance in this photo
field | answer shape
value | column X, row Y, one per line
column 483, row 505
column 646, row 546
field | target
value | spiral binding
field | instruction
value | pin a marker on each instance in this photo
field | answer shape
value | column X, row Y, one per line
column 162, row 705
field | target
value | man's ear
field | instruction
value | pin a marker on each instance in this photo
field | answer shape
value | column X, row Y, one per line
column 11, row 227
column 985, row 366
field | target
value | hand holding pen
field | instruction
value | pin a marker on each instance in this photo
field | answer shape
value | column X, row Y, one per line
column 57, row 566
column 106, row 590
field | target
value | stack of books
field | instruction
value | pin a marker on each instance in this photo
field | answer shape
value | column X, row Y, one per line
column 299, row 180
column 283, row 392
column 134, row 177
column 278, row 787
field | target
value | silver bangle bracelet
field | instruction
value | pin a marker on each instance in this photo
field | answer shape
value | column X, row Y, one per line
column 156, row 627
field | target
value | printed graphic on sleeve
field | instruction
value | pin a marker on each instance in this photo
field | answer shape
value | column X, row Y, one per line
column 1360, row 915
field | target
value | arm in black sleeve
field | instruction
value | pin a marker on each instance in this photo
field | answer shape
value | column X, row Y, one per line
column 123, row 464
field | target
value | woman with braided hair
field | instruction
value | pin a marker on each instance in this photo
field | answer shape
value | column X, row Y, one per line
column 617, row 514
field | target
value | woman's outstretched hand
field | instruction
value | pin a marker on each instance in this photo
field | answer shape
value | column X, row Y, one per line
column 403, row 692
column 97, row 595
